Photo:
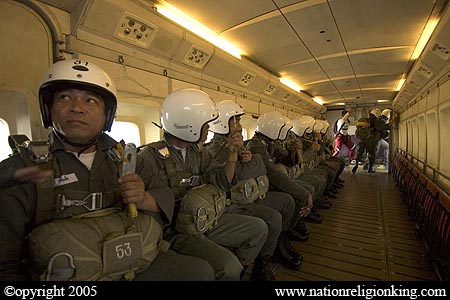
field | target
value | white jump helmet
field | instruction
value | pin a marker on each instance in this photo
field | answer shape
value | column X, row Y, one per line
column 227, row 109
column 386, row 113
column 376, row 112
column 325, row 127
column 270, row 124
column 74, row 73
column 285, row 130
column 184, row 112
column 303, row 124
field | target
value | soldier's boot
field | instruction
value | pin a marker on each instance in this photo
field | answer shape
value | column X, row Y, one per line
column 366, row 166
column 302, row 227
column 321, row 204
column 314, row 217
column 371, row 169
column 286, row 255
column 355, row 167
column 261, row 271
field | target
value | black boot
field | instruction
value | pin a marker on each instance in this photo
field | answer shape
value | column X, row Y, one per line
column 321, row 204
column 314, row 217
column 261, row 271
column 371, row 169
column 302, row 227
column 355, row 167
column 286, row 255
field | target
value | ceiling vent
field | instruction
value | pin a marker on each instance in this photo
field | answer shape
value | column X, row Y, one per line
column 441, row 50
column 135, row 31
column 414, row 84
column 196, row 57
column 425, row 71
column 247, row 79
column 286, row 96
column 408, row 93
column 269, row 89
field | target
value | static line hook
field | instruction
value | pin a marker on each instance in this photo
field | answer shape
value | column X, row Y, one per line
column 121, row 60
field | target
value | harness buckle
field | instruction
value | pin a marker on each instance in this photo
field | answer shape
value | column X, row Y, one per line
column 96, row 201
column 92, row 202
column 191, row 181
column 39, row 152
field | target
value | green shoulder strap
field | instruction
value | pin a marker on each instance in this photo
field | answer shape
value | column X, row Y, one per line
column 167, row 162
column 37, row 153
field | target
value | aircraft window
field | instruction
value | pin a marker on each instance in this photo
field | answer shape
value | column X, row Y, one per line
column 5, row 150
column 211, row 134
column 128, row 131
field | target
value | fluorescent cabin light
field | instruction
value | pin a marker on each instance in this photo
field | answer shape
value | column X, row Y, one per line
column 340, row 103
column 424, row 38
column 318, row 100
column 198, row 28
column 290, row 84
column 400, row 84
column 382, row 101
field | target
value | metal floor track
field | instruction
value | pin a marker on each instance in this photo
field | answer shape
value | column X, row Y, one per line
column 366, row 235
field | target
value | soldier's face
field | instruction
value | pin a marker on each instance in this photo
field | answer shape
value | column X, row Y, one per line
column 77, row 114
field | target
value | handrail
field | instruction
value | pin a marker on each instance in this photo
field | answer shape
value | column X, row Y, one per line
column 435, row 172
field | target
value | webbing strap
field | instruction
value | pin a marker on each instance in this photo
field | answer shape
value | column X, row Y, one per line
column 44, row 190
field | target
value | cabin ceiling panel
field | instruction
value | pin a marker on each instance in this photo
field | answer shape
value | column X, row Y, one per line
column 222, row 15
column 305, row 73
column 387, row 23
column 270, row 33
column 378, row 82
column 324, row 89
column 316, row 27
column 336, row 67
column 335, row 41
column 382, row 61
column 277, row 58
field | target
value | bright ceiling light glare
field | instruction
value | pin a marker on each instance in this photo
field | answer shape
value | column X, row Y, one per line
column 318, row 100
column 340, row 103
column 198, row 28
column 400, row 84
column 290, row 84
column 424, row 38
column 383, row 101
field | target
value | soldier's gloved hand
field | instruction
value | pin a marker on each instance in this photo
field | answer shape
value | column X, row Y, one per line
column 132, row 189
column 235, row 137
column 245, row 155
column 297, row 144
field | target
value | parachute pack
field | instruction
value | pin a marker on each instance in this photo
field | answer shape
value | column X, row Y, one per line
column 363, row 129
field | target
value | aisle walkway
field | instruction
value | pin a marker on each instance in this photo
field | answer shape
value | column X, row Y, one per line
column 366, row 235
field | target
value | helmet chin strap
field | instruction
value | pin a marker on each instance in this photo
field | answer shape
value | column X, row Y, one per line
column 83, row 146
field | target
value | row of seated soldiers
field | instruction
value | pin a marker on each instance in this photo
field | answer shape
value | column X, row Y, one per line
column 286, row 175
column 73, row 225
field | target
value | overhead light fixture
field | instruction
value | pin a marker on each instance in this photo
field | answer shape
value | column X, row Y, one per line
column 318, row 100
column 290, row 84
column 383, row 101
column 425, row 37
column 177, row 16
column 400, row 84
column 340, row 103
